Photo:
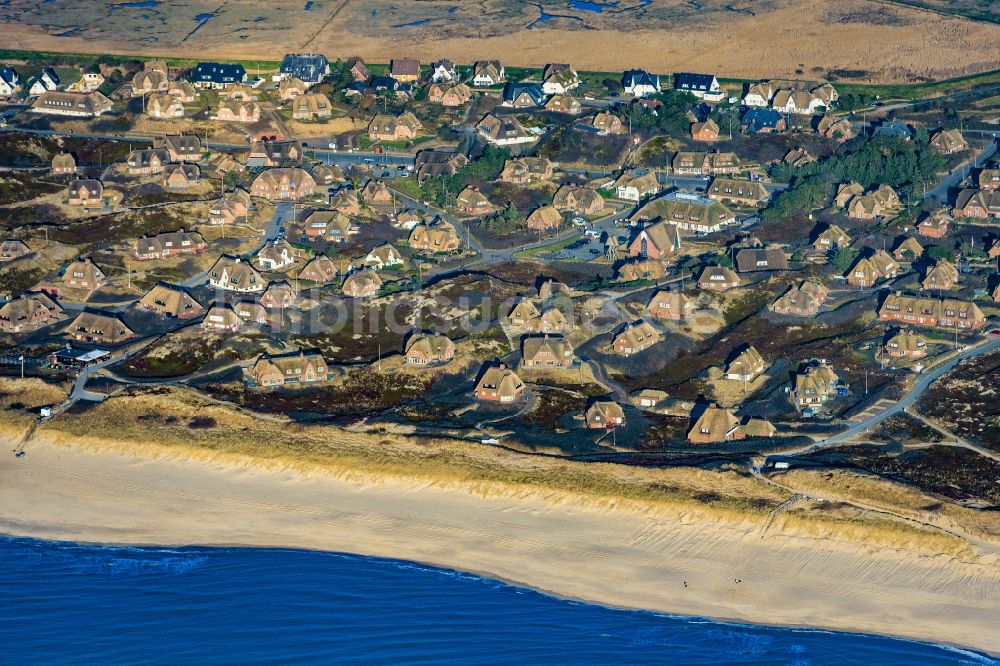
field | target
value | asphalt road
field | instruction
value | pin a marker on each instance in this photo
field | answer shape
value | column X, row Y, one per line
column 283, row 214
column 329, row 156
column 606, row 224
column 941, row 190
column 80, row 392
column 464, row 232
column 108, row 307
column 935, row 100
column 921, row 385
column 680, row 182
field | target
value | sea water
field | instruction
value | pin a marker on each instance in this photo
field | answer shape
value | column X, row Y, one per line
column 68, row 603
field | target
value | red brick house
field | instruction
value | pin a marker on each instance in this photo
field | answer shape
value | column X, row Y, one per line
column 948, row 313
column 635, row 338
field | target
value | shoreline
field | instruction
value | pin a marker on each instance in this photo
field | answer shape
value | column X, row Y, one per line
column 729, row 622
column 611, row 553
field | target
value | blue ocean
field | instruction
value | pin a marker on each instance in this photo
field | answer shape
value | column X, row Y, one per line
column 66, row 603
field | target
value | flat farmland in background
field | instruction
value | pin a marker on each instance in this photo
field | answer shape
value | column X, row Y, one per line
column 859, row 40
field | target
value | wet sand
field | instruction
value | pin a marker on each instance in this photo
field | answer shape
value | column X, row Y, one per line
column 609, row 553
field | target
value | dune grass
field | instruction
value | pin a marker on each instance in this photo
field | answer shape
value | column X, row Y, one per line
column 163, row 417
column 183, row 424
column 20, row 399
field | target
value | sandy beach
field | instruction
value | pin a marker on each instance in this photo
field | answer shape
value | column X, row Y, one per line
column 614, row 553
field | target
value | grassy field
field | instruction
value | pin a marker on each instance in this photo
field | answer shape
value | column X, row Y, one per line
column 923, row 90
column 894, row 91
column 901, row 91
column 964, row 400
column 546, row 249
column 38, row 59
column 987, row 102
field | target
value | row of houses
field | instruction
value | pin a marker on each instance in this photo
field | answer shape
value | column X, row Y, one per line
column 35, row 310
column 499, row 383
column 788, row 96
column 574, row 199
column 10, row 82
column 636, row 185
column 943, row 313
column 46, row 82
column 716, row 425
column 528, row 316
column 156, row 161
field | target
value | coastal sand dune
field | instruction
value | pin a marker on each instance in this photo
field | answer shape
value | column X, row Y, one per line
column 616, row 552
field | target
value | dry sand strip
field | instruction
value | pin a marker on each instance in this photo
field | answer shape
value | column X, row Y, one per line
column 610, row 556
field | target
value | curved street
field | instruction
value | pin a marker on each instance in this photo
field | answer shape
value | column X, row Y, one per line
column 919, row 388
